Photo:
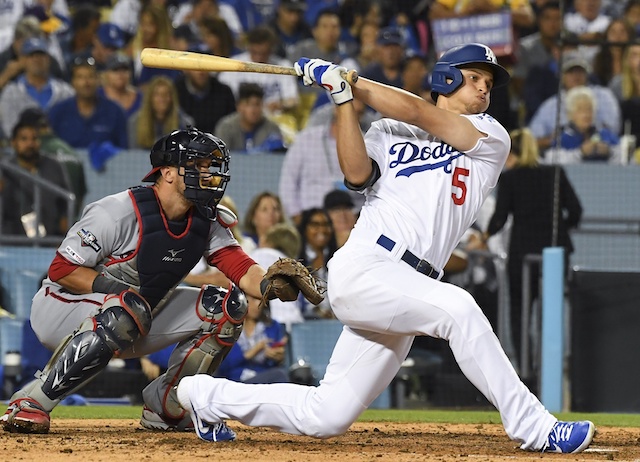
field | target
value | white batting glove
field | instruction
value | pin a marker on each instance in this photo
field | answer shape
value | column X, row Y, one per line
column 327, row 75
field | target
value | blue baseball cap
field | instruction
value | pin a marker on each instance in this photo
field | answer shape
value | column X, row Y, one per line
column 111, row 35
column 390, row 36
column 34, row 45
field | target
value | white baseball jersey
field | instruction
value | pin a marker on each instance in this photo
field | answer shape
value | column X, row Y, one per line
column 427, row 185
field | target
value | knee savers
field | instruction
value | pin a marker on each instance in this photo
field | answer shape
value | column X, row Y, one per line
column 222, row 312
column 122, row 320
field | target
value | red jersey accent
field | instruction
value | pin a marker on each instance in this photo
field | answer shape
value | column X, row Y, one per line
column 232, row 261
column 60, row 267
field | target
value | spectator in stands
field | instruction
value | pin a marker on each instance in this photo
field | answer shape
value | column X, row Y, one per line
column 78, row 39
column 535, row 50
column 575, row 71
column 280, row 91
column 247, row 129
column 258, row 355
column 280, row 241
column 388, row 68
column 607, row 63
column 632, row 14
column 310, row 170
column 253, row 13
column 194, row 11
column 88, row 117
column 54, row 21
column 204, row 98
column 626, row 87
column 589, row 23
column 353, row 15
column 19, row 216
column 154, row 31
column 217, row 37
column 315, row 9
column 368, row 49
column 108, row 40
column 581, row 139
column 325, row 44
column 11, row 61
column 10, row 14
column 54, row 147
column 318, row 246
column 342, row 211
column 289, row 26
column 35, row 87
column 414, row 75
column 117, row 85
column 264, row 211
column 526, row 192
column 183, row 38
column 126, row 13
column 159, row 114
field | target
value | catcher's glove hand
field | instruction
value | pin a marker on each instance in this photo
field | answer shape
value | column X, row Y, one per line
column 285, row 279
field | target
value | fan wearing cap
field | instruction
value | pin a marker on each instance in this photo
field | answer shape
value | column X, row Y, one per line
column 112, row 288
column 35, row 87
column 391, row 54
column 117, row 85
column 575, row 73
column 108, row 39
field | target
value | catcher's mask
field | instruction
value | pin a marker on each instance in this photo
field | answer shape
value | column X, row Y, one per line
column 202, row 159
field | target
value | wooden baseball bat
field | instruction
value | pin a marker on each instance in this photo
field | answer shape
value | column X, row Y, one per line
column 188, row 60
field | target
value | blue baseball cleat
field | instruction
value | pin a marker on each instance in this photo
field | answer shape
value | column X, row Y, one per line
column 212, row 433
column 570, row 437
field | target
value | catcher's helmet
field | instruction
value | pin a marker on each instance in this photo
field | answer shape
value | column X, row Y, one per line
column 205, row 160
column 446, row 76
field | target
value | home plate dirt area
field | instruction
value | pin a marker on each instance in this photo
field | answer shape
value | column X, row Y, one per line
column 125, row 440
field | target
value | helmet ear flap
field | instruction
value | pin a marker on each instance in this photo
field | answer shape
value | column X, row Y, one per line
column 442, row 72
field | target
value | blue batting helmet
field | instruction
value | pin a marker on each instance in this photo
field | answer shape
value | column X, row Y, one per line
column 446, row 76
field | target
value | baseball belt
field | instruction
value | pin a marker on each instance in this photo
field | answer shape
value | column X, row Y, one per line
column 418, row 264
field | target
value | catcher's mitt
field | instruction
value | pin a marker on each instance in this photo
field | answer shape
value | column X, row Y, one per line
column 285, row 279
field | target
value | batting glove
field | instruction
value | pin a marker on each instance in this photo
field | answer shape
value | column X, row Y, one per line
column 327, row 75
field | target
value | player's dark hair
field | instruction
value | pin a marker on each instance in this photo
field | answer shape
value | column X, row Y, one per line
column 21, row 125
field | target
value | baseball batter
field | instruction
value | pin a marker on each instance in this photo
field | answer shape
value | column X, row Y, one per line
column 425, row 170
column 112, row 289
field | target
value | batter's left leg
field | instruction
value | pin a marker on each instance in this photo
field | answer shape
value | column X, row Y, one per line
column 363, row 364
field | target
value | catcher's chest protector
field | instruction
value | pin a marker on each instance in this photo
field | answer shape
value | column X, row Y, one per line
column 163, row 259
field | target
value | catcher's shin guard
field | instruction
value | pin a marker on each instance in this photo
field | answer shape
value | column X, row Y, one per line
column 222, row 312
column 81, row 356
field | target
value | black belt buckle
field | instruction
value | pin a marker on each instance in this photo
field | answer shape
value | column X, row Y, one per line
column 425, row 268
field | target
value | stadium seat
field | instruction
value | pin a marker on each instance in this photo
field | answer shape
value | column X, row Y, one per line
column 313, row 342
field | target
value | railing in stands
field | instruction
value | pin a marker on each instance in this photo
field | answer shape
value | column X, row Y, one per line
column 39, row 184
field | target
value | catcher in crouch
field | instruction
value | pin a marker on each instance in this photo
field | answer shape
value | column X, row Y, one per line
column 112, row 288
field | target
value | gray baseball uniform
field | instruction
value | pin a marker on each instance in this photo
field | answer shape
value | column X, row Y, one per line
column 108, row 238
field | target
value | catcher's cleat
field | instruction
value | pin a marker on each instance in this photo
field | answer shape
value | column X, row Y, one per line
column 570, row 437
column 26, row 415
column 151, row 420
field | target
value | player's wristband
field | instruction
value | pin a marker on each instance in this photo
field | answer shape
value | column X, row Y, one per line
column 104, row 285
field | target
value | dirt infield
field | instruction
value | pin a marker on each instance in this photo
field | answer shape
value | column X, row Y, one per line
column 124, row 440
